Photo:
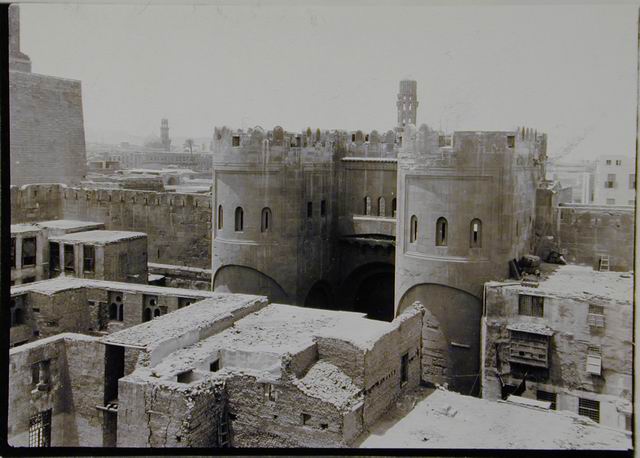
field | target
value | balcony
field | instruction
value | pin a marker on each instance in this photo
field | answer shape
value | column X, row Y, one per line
column 369, row 224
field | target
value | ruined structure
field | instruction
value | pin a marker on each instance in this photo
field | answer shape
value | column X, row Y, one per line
column 47, row 125
column 230, row 370
column 569, row 335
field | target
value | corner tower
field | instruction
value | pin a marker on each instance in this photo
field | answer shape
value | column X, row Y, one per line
column 407, row 103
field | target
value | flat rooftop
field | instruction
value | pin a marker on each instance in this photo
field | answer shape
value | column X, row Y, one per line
column 68, row 224
column 272, row 332
column 197, row 316
column 580, row 282
column 23, row 228
column 443, row 419
column 98, row 237
column 62, row 283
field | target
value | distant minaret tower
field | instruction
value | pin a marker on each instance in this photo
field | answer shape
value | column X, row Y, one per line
column 164, row 134
column 17, row 59
column 407, row 103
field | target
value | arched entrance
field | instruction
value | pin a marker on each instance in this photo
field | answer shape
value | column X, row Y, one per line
column 369, row 289
column 320, row 296
column 450, row 335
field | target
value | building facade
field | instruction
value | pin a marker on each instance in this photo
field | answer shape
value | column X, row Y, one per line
column 615, row 181
column 570, row 336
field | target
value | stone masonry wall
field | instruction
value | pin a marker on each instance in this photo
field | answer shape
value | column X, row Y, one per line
column 47, row 129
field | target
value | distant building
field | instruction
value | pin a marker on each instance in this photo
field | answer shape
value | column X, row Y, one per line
column 579, row 176
column 569, row 335
column 615, row 181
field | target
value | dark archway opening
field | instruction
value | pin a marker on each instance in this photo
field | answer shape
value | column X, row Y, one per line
column 374, row 296
column 370, row 289
column 320, row 296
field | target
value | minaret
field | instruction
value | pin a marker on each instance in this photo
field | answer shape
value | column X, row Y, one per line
column 407, row 103
column 164, row 134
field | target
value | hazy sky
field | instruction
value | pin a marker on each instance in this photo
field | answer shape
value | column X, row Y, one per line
column 570, row 71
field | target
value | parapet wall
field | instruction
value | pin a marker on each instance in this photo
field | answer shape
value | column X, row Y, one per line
column 178, row 225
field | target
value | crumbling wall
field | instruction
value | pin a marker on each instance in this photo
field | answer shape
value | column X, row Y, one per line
column 126, row 261
column 85, row 364
column 168, row 414
column 76, row 373
column 383, row 382
column 262, row 422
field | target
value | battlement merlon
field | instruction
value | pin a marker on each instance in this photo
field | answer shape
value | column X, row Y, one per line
column 257, row 145
column 424, row 145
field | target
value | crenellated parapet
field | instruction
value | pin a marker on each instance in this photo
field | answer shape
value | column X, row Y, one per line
column 424, row 148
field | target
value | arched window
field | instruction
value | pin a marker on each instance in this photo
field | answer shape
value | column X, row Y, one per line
column 239, row 219
column 393, row 207
column 441, row 232
column 381, row 205
column 121, row 312
column 220, row 217
column 113, row 311
column 147, row 314
column 265, row 224
column 156, row 313
column 367, row 205
column 476, row 233
column 413, row 230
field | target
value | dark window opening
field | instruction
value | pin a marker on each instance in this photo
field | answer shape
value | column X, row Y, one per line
column 530, row 305
column 511, row 141
column 309, row 209
column 441, row 232
column 404, row 369
column 186, row 377
column 214, row 366
column 220, row 217
column 69, row 260
column 54, row 258
column 324, row 425
column 28, row 280
column 239, row 219
column 113, row 311
column 121, row 312
column 146, row 315
column 270, row 392
column 89, row 261
column 235, row 140
column 113, row 371
column 265, row 224
column 413, row 232
column 40, row 429
column 323, row 208
column 29, row 251
column 393, row 207
column 476, row 233
column 589, row 408
column 156, row 313
column 13, row 252
column 549, row 397
column 305, row 418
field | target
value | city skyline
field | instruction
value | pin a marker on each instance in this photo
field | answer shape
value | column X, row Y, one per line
column 493, row 69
